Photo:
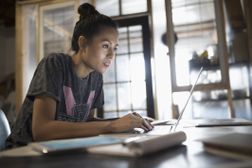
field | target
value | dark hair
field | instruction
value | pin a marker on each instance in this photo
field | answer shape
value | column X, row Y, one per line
column 89, row 24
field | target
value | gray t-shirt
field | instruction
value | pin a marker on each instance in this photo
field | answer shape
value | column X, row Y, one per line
column 75, row 97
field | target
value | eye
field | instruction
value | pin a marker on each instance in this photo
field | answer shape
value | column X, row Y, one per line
column 105, row 46
column 116, row 48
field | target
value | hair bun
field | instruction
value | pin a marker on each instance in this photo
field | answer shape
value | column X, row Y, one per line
column 86, row 10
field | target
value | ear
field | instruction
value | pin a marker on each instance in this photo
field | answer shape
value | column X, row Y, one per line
column 82, row 42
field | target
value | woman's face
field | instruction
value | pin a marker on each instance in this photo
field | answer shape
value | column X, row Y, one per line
column 100, row 51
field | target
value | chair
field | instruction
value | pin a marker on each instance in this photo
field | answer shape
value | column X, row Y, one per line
column 4, row 129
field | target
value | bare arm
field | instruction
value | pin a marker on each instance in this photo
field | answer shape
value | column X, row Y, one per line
column 92, row 118
column 45, row 127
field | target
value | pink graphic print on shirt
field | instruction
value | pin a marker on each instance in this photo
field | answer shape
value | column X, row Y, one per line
column 89, row 102
column 70, row 101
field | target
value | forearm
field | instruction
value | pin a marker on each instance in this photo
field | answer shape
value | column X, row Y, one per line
column 44, row 126
column 62, row 129
column 102, row 119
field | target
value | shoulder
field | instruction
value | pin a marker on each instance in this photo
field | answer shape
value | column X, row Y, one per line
column 56, row 60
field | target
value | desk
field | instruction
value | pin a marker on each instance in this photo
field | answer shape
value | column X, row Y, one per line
column 190, row 154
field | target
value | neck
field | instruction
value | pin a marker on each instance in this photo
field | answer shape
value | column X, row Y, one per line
column 81, row 69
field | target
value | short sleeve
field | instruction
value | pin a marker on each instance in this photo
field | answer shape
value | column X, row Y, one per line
column 47, row 79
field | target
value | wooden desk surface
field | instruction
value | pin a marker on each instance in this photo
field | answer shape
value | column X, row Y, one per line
column 190, row 154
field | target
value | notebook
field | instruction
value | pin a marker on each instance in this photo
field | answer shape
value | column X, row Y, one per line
column 55, row 146
column 221, row 122
column 234, row 145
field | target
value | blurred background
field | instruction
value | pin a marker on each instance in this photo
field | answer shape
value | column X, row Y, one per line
column 163, row 43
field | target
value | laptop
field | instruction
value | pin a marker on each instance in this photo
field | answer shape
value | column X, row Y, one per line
column 174, row 123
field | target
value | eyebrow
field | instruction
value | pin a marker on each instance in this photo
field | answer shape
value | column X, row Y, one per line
column 110, row 42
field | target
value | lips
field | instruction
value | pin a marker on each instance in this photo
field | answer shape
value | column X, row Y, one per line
column 107, row 63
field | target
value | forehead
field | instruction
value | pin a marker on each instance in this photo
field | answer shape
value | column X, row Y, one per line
column 107, row 33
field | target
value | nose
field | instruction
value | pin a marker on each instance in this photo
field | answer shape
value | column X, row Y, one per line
column 111, row 53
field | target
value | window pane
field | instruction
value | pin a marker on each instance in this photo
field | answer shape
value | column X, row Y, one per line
column 193, row 13
column 179, row 3
column 133, row 6
column 136, row 28
column 123, row 113
column 123, row 41
column 108, row 7
column 109, row 75
column 110, row 97
column 142, row 112
column 194, row 24
column 137, row 67
column 124, row 99
column 136, row 43
column 138, row 94
column 85, row 1
column 58, row 26
column 122, row 68
column 110, row 114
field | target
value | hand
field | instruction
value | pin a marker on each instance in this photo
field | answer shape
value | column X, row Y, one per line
column 130, row 121
column 149, row 119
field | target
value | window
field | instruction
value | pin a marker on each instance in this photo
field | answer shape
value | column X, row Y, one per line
column 127, row 84
column 121, row 7
column 195, row 26
column 57, row 23
column 201, row 43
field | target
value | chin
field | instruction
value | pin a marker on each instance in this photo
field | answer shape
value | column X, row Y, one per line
column 101, row 70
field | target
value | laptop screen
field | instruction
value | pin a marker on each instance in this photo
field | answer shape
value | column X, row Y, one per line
column 187, row 100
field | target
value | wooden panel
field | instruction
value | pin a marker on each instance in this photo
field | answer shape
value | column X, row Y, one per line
column 19, row 60
column 235, row 14
column 248, row 16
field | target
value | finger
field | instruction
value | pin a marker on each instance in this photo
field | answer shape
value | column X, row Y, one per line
column 144, row 128
column 147, row 124
column 136, row 114
column 149, row 119
column 136, row 121
column 143, row 123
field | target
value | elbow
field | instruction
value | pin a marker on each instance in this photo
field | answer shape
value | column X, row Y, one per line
column 36, row 134
column 39, row 133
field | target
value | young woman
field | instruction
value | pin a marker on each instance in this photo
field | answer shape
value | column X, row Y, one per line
column 65, row 89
